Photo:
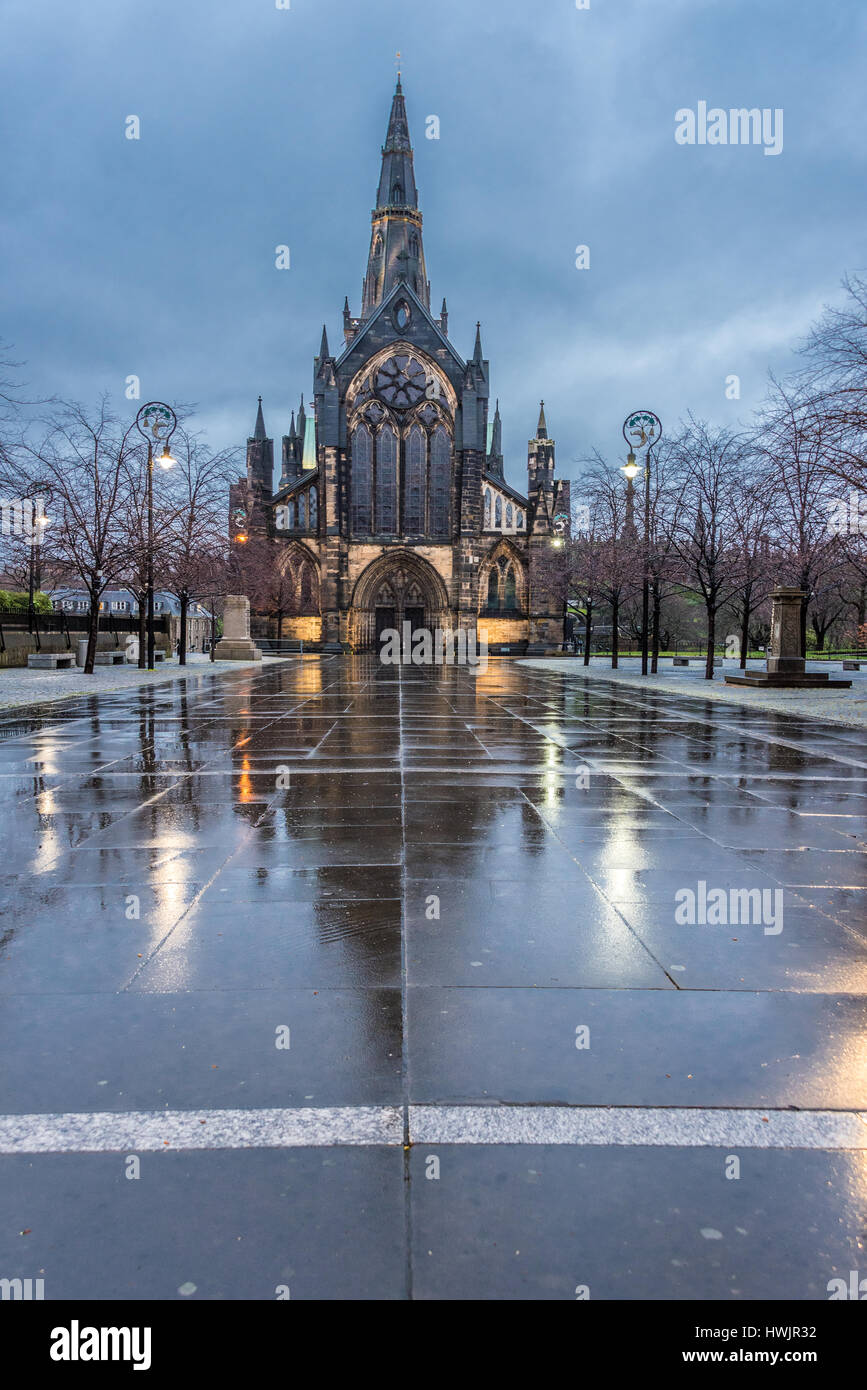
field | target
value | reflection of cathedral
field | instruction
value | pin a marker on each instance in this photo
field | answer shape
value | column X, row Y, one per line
column 392, row 502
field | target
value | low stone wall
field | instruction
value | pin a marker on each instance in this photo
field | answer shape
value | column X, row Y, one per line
column 20, row 644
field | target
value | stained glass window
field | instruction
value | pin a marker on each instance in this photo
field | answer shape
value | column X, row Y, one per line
column 413, row 505
column 386, row 482
column 440, row 482
column 362, row 455
column 487, row 508
column 498, row 513
column 493, row 590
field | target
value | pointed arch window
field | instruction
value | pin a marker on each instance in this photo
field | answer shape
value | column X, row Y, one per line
column 508, row 516
column 498, row 513
column 487, row 522
column 302, row 511
column 386, row 482
column 520, row 520
column 510, row 591
column 413, row 505
column 306, row 588
column 362, row 459
column 440, row 482
column 493, row 589
column 314, row 509
column 413, row 244
column 294, row 511
column 397, row 193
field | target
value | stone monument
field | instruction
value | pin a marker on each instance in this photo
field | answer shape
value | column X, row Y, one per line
column 236, row 643
column 785, row 667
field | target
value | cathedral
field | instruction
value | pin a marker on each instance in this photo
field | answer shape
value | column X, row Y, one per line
column 392, row 505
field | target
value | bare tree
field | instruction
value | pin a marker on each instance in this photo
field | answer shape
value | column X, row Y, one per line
column 704, row 531
column 84, row 457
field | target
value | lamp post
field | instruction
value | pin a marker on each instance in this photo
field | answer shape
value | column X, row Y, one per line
column 645, row 428
column 157, row 423
column 39, row 522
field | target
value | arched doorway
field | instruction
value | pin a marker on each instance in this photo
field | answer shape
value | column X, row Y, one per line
column 393, row 590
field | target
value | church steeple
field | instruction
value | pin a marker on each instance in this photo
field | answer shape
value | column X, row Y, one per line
column 396, row 251
column 259, row 429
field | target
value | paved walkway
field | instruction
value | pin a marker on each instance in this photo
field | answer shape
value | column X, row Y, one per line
column 835, row 706
column 21, row 686
column 380, row 977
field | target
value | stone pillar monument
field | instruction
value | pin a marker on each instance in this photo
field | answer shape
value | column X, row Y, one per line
column 785, row 667
column 784, row 653
column 236, row 643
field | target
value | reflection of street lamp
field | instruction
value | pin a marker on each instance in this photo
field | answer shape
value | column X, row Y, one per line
column 157, row 423
column 645, row 428
column 39, row 522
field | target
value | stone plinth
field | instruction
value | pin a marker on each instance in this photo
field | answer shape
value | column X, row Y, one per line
column 236, row 643
column 785, row 667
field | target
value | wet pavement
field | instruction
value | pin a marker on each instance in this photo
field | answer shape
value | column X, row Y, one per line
column 386, row 979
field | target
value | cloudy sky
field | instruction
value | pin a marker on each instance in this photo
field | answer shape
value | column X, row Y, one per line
column 262, row 126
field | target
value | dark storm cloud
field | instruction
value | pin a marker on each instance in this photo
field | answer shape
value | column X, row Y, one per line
column 262, row 126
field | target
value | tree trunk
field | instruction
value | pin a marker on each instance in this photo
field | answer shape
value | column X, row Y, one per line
column 711, row 643
column 819, row 629
column 804, row 605
column 92, row 635
column 588, row 627
column 657, row 608
column 182, row 648
column 142, row 632
column 615, row 634
column 745, row 633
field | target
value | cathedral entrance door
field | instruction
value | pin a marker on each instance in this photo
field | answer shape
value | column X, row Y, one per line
column 385, row 618
column 414, row 616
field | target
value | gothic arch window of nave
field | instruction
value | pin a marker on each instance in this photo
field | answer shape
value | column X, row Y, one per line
column 500, row 586
column 400, row 411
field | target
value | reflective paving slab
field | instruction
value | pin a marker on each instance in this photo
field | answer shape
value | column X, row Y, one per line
column 299, row 912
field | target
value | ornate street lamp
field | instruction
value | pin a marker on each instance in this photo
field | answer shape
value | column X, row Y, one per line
column 157, row 423
column 642, row 429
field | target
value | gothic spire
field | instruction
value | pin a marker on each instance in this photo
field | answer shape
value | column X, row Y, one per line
column 542, row 428
column 477, row 352
column 497, row 435
column 396, row 253
column 397, row 179
column 259, row 431
column 323, row 347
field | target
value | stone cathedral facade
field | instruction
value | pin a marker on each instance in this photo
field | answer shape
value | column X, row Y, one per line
column 392, row 505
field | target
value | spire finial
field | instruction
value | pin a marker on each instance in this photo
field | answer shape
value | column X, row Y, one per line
column 259, row 431
column 542, row 428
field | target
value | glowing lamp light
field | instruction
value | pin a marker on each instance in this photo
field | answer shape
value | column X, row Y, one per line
column 165, row 458
column 241, row 538
column 631, row 467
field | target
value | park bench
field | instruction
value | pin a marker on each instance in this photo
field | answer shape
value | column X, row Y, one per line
column 50, row 661
column 110, row 658
column 851, row 665
column 681, row 661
